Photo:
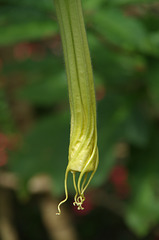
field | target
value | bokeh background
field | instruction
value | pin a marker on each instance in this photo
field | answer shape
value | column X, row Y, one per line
column 122, row 202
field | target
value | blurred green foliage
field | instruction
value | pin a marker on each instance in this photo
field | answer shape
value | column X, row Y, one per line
column 124, row 42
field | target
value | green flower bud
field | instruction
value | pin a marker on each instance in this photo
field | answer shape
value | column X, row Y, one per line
column 83, row 151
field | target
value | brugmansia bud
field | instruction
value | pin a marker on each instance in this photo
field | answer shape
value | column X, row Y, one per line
column 83, row 151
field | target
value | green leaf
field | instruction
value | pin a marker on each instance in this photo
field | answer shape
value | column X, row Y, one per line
column 126, row 32
column 41, row 4
column 153, row 85
column 143, row 213
column 120, row 2
column 143, row 208
column 26, row 31
column 154, row 38
column 44, row 151
column 52, row 90
column 45, row 80
column 22, row 24
column 137, row 128
column 90, row 5
column 6, row 121
column 35, row 70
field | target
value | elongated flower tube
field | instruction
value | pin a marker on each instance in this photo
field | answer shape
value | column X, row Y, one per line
column 83, row 151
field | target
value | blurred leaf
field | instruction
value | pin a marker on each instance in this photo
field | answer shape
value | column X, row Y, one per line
column 41, row 4
column 154, row 38
column 35, row 70
column 126, row 66
column 92, row 4
column 26, row 31
column 153, row 85
column 45, row 80
column 19, row 24
column 126, row 32
column 143, row 209
column 131, row 1
column 6, row 121
column 143, row 213
column 51, row 90
column 44, row 151
column 137, row 128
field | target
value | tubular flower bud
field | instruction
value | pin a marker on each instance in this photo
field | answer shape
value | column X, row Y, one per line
column 83, row 151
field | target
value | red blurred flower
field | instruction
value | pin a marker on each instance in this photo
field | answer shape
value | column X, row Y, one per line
column 22, row 51
column 3, row 146
column 100, row 92
column 119, row 175
column 3, row 157
column 1, row 63
column 119, row 178
column 3, row 141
